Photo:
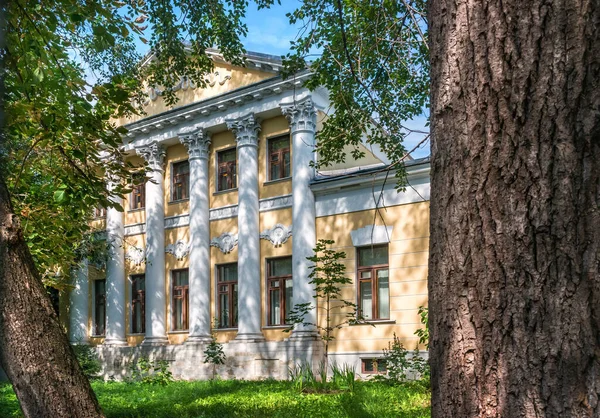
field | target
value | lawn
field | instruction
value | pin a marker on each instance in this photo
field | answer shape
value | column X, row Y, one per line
column 237, row 398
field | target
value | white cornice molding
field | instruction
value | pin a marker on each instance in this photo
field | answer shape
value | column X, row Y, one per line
column 170, row 123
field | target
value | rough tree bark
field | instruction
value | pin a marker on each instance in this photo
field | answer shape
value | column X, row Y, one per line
column 514, row 279
column 34, row 351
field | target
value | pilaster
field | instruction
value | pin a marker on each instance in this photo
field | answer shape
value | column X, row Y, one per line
column 79, row 311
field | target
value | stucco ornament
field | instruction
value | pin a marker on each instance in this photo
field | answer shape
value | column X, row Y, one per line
column 225, row 242
column 136, row 254
column 180, row 249
column 278, row 235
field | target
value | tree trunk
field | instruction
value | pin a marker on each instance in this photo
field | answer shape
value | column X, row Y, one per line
column 514, row 279
column 34, row 351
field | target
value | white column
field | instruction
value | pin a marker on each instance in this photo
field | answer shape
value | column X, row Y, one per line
column 197, row 144
column 79, row 312
column 115, row 274
column 302, row 118
column 249, row 295
column 155, row 303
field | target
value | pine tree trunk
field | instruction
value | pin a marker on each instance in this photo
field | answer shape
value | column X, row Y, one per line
column 34, row 351
column 514, row 278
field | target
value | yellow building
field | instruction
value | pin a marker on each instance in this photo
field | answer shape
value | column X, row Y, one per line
column 222, row 230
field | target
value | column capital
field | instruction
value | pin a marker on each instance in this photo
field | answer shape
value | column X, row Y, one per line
column 196, row 143
column 245, row 130
column 302, row 115
column 154, row 154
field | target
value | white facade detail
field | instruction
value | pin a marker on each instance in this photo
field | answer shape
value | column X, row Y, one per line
column 197, row 144
column 180, row 249
column 115, row 275
column 302, row 116
column 249, row 295
column 278, row 235
column 156, row 331
column 225, row 242
column 274, row 203
column 79, row 311
column 371, row 235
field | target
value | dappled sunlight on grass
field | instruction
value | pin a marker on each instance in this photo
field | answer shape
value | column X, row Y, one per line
column 268, row 398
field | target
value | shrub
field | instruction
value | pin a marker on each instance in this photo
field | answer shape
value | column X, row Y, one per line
column 88, row 360
column 213, row 353
column 154, row 372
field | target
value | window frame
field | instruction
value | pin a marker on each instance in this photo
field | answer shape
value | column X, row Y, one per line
column 96, row 304
column 282, row 291
column 374, row 279
column 99, row 212
column 138, row 189
column 141, row 299
column 232, row 322
column 174, row 177
column 281, row 153
column 184, row 295
column 232, row 174
column 376, row 364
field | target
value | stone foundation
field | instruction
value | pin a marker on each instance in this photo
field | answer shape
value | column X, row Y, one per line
column 245, row 360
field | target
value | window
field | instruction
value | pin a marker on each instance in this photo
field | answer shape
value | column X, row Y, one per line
column 138, row 300
column 226, row 174
column 373, row 366
column 99, row 307
column 373, row 282
column 99, row 212
column 137, row 197
column 279, row 157
column 279, row 285
column 181, row 291
column 180, row 181
column 227, row 289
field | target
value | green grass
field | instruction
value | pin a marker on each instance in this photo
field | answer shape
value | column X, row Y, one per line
column 236, row 398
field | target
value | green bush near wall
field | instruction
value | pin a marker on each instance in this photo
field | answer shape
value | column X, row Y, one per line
column 229, row 398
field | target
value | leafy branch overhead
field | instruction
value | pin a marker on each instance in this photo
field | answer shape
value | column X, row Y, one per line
column 373, row 59
column 70, row 71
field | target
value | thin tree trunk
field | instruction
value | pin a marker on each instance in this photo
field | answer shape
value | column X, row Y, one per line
column 514, row 278
column 34, row 351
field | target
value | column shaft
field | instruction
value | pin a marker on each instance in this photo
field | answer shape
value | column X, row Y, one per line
column 302, row 117
column 115, row 276
column 79, row 312
column 155, row 303
column 249, row 295
column 199, row 265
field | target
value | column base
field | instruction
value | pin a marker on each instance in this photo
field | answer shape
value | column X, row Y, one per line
column 155, row 341
column 198, row 339
column 249, row 337
column 115, row 342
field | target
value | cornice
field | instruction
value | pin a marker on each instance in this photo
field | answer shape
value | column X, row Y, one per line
column 232, row 99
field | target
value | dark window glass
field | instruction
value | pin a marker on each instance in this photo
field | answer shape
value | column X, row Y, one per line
column 373, row 282
column 99, row 307
column 227, row 174
column 280, row 289
column 138, row 300
column 279, row 157
column 227, row 289
column 180, row 299
column 99, row 212
column 373, row 366
column 137, row 197
column 181, row 178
